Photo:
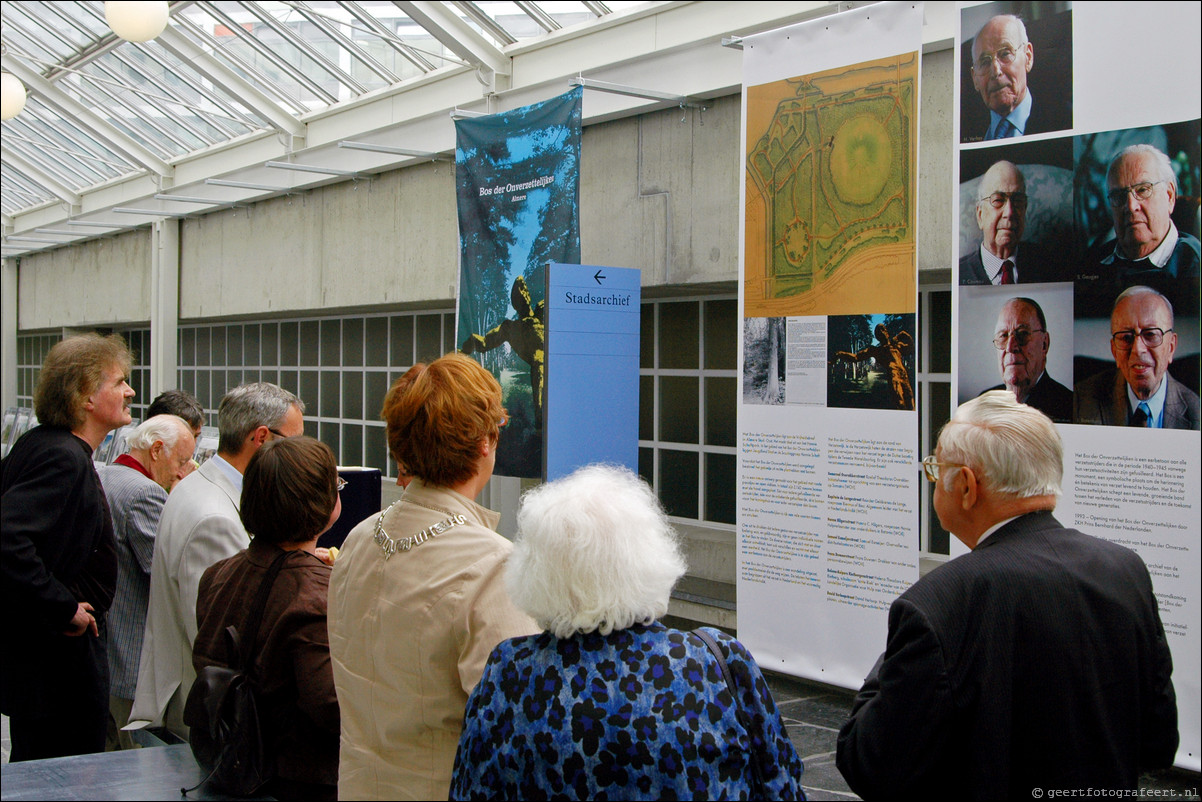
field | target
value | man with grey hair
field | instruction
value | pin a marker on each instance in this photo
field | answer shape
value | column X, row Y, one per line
column 136, row 486
column 1139, row 391
column 200, row 525
column 1002, row 59
column 1147, row 249
column 1036, row 662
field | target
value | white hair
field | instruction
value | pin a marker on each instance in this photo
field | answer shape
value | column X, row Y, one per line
column 161, row 428
column 594, row 551
column 1164, row 167
column 1013, row 448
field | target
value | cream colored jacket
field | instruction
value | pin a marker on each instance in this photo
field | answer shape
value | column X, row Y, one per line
column 409, row 637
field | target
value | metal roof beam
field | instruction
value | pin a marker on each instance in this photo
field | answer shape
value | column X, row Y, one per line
column 310, row 52
column 229, row 81
column 85, row 117
column 348, row 45
column 456, row 35
column 47, row 181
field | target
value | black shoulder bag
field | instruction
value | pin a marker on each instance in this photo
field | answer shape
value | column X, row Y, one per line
column 230, row 744
column 758, row 788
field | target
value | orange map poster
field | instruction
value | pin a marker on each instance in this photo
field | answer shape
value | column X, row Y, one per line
column 831, row 191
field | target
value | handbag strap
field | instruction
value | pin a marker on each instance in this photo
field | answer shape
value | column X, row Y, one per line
column 758, row 787
column 246, row 642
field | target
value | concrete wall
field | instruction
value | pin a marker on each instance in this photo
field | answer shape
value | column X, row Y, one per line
column 937, row 194
column 388, row 241
column 98, row 283
column 659, row 191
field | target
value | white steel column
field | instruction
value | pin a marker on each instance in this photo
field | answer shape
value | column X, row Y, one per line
column 164, row 307
column 8, row 335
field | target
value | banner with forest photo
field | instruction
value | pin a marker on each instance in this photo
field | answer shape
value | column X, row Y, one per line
column 517, row 177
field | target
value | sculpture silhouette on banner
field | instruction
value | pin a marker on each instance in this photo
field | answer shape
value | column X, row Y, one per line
column 889, row 353
column 526, row 335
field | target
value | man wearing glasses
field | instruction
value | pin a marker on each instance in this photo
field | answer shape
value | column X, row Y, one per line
column 1001, row 214
column 1035, row 663
column 1147, row 248
column 1002, row 58
column 200, row 525
column 1139, row 391
column 1022, row 340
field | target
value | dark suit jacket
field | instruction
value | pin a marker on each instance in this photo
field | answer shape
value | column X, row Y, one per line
column 1102, row 399
column 1097, row 285
column 1050, row 397
column 1036, row 264
column 58, row 550
column 1048, row 113
column 1036, row 661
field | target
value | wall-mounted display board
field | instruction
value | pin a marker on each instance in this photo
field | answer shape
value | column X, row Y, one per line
column 828, row 433
column 1078, row 180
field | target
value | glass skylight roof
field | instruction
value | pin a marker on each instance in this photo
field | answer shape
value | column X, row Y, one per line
column 100, row 108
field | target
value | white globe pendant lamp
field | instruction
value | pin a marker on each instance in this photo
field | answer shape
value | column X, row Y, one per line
column 12, row 96
column 136, row 21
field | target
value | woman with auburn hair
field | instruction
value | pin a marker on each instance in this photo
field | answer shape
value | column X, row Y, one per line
column 289, row 499
column 417, row 598
column 608, row 703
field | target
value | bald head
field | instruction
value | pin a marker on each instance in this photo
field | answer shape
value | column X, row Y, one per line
column 1001, row 59
column 1002, row 209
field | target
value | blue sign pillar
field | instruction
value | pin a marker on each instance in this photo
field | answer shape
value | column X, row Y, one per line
column 592, row 381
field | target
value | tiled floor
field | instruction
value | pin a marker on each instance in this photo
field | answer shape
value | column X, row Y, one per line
column 814, row 713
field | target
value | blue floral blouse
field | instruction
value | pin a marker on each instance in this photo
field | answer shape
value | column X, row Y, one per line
column 642, row 713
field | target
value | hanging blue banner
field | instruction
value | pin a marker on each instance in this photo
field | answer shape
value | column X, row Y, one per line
column 517, row 177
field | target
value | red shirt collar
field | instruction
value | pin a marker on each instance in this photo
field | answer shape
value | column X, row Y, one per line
column 129, row 462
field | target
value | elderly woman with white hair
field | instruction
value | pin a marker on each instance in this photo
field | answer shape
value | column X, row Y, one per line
column 607, row 702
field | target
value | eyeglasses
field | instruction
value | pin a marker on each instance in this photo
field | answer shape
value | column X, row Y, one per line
column 504, row 421
column 341, row 484
column 1141, row 191
column 998, row 199
column 1005, row 56
column 1125, row 340
column 931, row 466
column 277, row 433
column 1021, row 336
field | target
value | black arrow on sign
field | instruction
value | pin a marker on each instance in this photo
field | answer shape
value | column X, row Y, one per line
column 597, row 277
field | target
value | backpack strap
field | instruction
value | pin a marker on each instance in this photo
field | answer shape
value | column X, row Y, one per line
column 758, row 787
column 245, row 643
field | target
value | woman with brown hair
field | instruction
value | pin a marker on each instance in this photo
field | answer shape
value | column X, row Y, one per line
column 417, row 597
column 289, row 498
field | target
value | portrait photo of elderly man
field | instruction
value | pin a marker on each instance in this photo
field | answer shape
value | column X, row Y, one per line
column 1139, row 390
column 1147, row 248
column 998, row 100
column 1022, row 340
column 1002, row 256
